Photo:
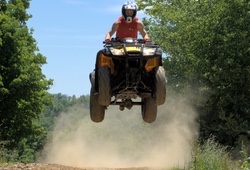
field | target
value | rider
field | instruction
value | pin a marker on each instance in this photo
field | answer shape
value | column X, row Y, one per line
column 128, row 24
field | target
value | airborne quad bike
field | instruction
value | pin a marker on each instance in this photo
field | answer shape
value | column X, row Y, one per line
column 124, row 71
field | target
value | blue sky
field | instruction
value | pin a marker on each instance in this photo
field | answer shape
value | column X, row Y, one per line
column 69, row 33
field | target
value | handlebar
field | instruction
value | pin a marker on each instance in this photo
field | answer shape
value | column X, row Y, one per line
column 128, row 42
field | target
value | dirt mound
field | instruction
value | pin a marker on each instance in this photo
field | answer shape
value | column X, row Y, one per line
column 35, row 166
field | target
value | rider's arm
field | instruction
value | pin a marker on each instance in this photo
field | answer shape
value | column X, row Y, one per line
column 112, row 31
column 142, row 31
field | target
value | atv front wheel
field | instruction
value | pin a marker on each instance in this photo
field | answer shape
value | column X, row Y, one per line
column 160, row 86
column 148, row 110
column 104, row 86
column 97, row 111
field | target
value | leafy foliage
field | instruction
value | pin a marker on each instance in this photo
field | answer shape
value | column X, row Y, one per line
column 207, row 49
column 30, row 148
column 61, row 103
column 23, row 87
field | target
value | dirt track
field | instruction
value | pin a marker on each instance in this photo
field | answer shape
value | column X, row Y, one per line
column 36, row 166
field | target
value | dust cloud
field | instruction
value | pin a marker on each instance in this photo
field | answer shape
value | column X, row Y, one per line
column 123, row 139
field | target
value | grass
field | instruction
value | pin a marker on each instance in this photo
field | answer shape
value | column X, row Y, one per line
column 212, row 156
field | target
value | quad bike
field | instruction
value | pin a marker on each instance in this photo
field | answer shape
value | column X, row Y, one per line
column 124, row 71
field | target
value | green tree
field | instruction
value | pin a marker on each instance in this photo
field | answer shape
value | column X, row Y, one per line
column 61, row 103
column 23, row 87
column 207, row 47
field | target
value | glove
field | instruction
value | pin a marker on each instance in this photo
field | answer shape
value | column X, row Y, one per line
column 107, row 40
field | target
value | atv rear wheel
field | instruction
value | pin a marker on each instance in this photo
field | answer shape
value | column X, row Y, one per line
column 97, row 111
column 148, row 110
column 160, row 86
column 104, row 86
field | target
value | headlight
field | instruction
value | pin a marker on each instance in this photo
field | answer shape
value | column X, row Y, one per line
column 116, row 51
column 148, row 51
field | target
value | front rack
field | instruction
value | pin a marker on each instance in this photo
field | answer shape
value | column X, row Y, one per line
column 131, row 42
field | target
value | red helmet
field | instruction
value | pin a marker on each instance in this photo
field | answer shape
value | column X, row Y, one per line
column 130, row 6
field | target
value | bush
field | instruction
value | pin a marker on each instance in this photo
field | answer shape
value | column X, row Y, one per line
column 244, row 162
column 210, row 155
